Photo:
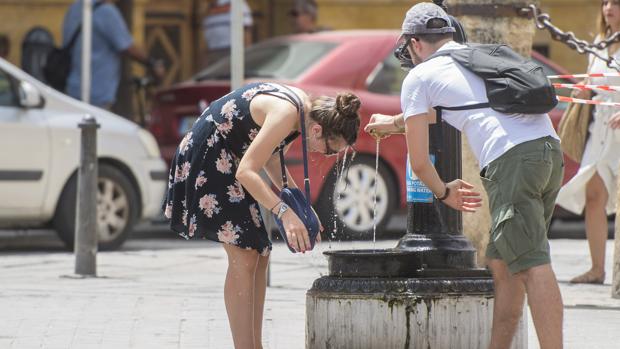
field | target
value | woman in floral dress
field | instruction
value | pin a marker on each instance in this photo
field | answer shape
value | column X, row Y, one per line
column 215, row 186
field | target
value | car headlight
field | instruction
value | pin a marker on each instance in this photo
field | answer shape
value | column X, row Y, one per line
column 147, row 139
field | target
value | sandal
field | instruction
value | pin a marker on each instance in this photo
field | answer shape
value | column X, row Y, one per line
column 588, row 278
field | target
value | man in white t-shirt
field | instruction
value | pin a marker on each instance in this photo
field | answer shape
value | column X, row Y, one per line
column 521, row 169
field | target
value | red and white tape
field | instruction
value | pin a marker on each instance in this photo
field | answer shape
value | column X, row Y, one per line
column 586, row 101
column 589, row 75
column 587, row 87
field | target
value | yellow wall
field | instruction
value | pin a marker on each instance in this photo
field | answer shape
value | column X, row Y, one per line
column 367, row 14
column 578, row 16
column 19, row 16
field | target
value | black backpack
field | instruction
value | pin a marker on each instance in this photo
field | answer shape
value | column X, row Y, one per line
column 58, row 62
column 513, row 84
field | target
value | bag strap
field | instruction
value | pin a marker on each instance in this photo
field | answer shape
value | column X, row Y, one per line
column 294, row 98
column 78, row 30
column 440, row 54
column 462, row 107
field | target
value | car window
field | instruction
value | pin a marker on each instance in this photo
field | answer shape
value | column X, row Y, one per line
column 7, row 93
column 387, row 78
column 279, row 60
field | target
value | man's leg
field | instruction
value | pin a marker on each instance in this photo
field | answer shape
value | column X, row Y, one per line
column 508, row 304
column 545, row 301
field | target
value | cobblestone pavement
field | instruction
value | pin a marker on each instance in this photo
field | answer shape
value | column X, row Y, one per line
column 167, row 293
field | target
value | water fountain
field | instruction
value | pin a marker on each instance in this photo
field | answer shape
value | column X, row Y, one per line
column 426, row 292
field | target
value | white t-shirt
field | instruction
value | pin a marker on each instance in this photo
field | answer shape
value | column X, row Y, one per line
column 443, row 82
column 216, row 25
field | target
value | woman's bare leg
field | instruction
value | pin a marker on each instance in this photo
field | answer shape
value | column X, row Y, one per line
column 239, row 294
column 596, row 229
column 260, row 288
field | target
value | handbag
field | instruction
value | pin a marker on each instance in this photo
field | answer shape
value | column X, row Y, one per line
column 293, row 197
column 573, row 129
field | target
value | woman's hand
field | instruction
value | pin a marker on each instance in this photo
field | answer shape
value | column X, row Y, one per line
column 382, row 126
column 614, row 121
column 461, row 197
column 296, row 232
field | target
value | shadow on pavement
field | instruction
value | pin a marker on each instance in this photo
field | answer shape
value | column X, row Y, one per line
column 157, row 236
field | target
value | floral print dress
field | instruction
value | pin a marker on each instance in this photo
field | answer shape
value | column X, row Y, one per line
column 204, row 200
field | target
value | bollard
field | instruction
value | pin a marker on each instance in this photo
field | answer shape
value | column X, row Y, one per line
column 86, row 215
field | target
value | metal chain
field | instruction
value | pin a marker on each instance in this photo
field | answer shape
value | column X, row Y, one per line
column 543, row 21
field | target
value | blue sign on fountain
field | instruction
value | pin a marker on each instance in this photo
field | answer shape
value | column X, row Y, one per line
column 416, row 190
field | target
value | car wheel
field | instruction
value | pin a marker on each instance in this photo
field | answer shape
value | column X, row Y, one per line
column 350, row 214
column 117, row 209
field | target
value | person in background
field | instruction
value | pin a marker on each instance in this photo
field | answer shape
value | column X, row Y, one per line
column 216, row 29
column 5, row 46
column 305, row 14
column 110, row 41
column 593, row 188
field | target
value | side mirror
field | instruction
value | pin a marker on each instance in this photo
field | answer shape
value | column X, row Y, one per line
column 29, row 96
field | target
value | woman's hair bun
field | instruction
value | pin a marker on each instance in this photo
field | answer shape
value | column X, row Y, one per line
column 348, row 104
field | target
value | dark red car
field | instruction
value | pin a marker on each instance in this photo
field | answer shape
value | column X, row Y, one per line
column 325, row 63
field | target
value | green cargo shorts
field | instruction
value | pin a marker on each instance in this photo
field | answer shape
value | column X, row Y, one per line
column 522, row 185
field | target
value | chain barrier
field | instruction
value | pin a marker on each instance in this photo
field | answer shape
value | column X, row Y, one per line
column 543, row 22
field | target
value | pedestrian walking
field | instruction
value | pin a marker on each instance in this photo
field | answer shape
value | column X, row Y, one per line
column 592, row 190
column 110, row 41
column 521, row 168
column 215, row 185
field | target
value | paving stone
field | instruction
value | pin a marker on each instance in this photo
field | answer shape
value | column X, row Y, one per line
column 173, row 298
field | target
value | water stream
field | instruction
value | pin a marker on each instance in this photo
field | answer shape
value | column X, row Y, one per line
column 339, row 184
column 374, row 207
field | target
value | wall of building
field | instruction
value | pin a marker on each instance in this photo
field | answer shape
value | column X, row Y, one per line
column 578, row 16
column 171, row 29
column 20, row 16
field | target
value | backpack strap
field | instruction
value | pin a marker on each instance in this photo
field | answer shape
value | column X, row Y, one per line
column 78, row 30
column 439, row 54
column 462, row 107
column 468, row 107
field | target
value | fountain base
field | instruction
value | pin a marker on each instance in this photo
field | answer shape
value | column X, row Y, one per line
column 360, row 313
column 420, row 296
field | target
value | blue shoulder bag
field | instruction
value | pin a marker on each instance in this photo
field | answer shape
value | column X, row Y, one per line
column 293, row 197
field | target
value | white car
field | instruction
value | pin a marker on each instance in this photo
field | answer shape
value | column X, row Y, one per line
column 39, row 158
